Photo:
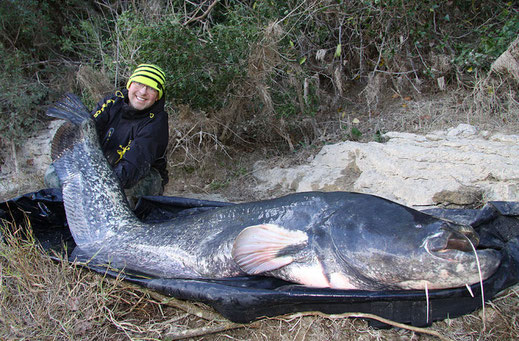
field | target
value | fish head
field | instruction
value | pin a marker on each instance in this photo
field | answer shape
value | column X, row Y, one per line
column 429, row 253
column 448, row 257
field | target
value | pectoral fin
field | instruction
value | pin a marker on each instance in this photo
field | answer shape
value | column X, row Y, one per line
column 266, row 247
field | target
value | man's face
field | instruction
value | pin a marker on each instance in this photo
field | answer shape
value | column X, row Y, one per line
column 142, row 96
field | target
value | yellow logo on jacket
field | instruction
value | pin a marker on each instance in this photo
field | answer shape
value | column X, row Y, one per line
column 123, row 150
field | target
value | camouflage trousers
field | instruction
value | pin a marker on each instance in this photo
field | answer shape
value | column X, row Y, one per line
column 150, row 185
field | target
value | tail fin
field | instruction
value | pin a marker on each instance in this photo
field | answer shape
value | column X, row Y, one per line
column 69, row 108
column 63, row 139
column 94, row 201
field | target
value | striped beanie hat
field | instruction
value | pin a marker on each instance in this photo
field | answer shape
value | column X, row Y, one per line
column 150, row 75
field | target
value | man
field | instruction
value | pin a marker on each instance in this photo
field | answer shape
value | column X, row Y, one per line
column 132, row 126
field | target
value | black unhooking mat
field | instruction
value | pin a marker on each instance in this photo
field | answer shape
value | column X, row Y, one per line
column 245, row 299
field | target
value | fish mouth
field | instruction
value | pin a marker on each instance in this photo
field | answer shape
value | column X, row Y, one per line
column 450, row 242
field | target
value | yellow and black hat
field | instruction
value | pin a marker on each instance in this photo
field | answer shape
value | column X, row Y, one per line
column 150, row 75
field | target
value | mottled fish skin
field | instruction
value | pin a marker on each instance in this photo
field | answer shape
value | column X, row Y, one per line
column 339, row 239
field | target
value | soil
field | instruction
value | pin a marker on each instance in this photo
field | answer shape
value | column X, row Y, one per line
column 226, row 175
column 217, row 172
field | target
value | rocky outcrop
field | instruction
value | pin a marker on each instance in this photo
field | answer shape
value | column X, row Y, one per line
column 508, row 61
column 32, row 158
column 460, row 166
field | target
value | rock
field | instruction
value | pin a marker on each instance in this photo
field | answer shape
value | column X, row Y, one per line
column 508, row 61
column 462, row 130
column 37, row 148
column 33, row 158
column 459, row 166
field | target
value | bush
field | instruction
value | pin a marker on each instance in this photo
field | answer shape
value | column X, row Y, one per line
column 33, row 66
column 20, row 91
column 215, row 53
column 200, row 62
column 492, row 38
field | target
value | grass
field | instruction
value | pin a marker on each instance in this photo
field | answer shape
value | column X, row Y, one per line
column 44, row 299
column 49, row 300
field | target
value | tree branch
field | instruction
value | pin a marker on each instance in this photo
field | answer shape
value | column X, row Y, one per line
column 203, row 15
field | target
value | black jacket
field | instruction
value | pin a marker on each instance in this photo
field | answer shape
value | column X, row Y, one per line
column 133, row 141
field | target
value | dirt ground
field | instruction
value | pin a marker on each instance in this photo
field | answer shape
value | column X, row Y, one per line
column 227, row 176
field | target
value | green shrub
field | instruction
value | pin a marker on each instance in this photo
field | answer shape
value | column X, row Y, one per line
column 200, row 63
column 492, row 38
column 208, row 60
column 19, row 97
column 20, row 92
column 33, row 65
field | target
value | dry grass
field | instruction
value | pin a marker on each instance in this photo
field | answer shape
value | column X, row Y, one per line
column 492, row 104
column 495, row 101
column 47, row 300
column 198, row 159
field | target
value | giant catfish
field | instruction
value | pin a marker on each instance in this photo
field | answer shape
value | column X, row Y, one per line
column 339, row 240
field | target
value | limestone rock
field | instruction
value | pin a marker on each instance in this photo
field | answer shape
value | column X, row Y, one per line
column 460, row 166
column 508, row 62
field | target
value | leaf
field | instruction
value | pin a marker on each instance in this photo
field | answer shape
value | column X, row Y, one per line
column 355, row 133
column 302, row 61
column 338, row 51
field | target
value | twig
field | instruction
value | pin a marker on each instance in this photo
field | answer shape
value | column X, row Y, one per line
column 192, row 309
column 203, row 14
column 382, row 46
column 372, row 317
column 186, row 306
column 203, row 331
column 291, row 12
column 15, row 158
column 207, row 315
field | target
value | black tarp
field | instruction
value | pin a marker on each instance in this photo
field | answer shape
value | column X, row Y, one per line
column 245, row 299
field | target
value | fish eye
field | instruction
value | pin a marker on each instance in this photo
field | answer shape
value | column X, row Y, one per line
column 446, row 226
